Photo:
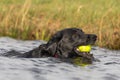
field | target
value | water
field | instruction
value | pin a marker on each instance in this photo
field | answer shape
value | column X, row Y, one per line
column 52, row 69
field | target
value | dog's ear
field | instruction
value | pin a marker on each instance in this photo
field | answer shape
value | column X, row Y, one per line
column 55, row 38
column 53, row 43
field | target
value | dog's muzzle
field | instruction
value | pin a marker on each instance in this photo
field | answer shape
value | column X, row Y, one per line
column 84, row 51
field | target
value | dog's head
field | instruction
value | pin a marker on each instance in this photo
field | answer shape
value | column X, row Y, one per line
column 64, row 43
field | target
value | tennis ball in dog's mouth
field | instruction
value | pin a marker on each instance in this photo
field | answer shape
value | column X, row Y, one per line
column 84, row 48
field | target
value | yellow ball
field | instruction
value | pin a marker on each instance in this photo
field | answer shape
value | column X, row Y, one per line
column 85, row 48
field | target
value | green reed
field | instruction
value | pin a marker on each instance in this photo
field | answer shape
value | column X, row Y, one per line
column 39, row 19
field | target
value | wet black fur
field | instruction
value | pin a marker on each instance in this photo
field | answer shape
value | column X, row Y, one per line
column 63, row 44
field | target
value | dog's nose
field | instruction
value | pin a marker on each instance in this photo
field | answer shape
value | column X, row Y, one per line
column 92, row 37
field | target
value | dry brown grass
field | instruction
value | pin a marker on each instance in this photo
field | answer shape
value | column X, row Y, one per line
column 40, row 20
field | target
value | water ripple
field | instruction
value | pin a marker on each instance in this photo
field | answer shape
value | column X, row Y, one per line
column 53, row 69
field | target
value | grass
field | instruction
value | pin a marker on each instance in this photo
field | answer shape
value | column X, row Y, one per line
column 39, row 19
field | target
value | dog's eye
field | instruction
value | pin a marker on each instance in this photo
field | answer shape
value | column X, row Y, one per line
column 75, row 36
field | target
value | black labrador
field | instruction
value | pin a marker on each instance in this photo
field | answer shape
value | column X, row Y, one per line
column 64, row 45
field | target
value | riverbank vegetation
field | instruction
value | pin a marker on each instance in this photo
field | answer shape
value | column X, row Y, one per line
column 39, row 19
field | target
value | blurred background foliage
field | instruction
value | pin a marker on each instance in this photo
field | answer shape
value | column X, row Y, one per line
column 39, row 19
